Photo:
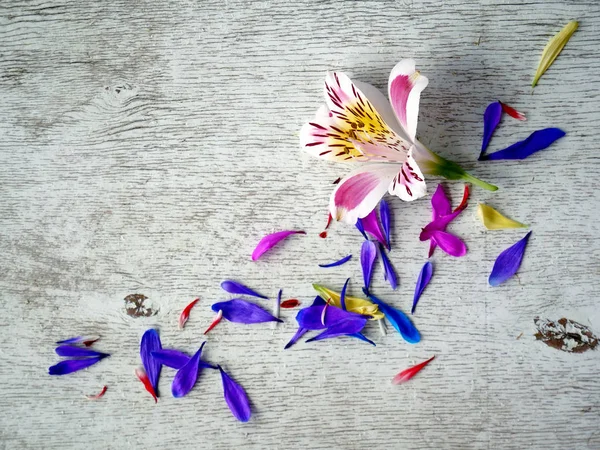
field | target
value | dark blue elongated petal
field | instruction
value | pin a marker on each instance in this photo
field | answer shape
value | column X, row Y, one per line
column 242, row 311
column 389, row 272
column 343, row 294
column 85, row 340
column 362, row 337
column 491, row 119
column 538, row 140
column 73, row 365
column 311, row 317
column 151, row 343
column 186, row 377
column 345, row 259
column 342, row 328
column 318, row 301
column 423, row 280
column 71, row 351
column 235, row 397
column 176, row 359
column 359, row 227
column 508, row 262
column 368, row 255
column 386, row 219
column 233, row 287
column 398, row 319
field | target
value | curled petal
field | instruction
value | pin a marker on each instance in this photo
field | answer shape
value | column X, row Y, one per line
column 407, row 374
column 422, row 282
column 440, row 203
column 399, row 321
column 493, row 220
column 491, row 119
column 353, row 304
column 151, row 343
column 538, row 140
column 186, row 377
column 73, row 365
column 449, row 243
column 339, row 262
column 386, row 218
column 368, row 255
column 343, row 295
column 344, row 327
column 371, row 225
column 235, row 397
column 512, row 112
column 185, row 314
column 508, row 262
column 242, row 311
column 270, row 241
column 463, row 203
column 71, row 351
column 389, row 272
column 312, row 318
column 553, row 49
column 233, row 287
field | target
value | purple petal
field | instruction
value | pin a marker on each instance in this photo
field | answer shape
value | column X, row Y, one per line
column 151, row 343
column 176, row 359
column 439, row 224
column 398, row 319
column 186, row 377
column 508, row 262
column 422, row 282
column 389, row 272
column 318, row 301
column 242, row 311
column 235, row 397
column 449, row 243
column 386, row 218
column 343, row 294
column 310, row 318
column 233, row 287
column 77, row 352
column 491, row 119
column 359, row 227
column 73, row 365
column 362, row 337
column 538, row 140
column 270, row 241
column 371, row 225
column 345, row 259
column 368, row 255
column 342, row 328
column 440, row 203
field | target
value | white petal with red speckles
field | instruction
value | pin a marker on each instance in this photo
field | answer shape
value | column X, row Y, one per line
column 408, row 183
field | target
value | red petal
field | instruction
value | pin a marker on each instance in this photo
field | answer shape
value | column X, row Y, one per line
column 463, row 203
column 98, row 395
column 216, row 320
column 337, row 180
column 141, row 374
column 512, row 112
column 290, row 303
column 329, row 218
column 185, row 314
column 407, row 374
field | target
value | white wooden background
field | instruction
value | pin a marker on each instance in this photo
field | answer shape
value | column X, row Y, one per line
column 147, row 146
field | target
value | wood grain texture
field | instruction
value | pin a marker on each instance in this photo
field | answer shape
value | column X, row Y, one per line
column 147, row 146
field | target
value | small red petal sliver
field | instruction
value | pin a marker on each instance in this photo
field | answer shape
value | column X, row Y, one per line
column 215, row 321
column 90, row 341
column 329, row 219
column 407, row 374
column 463, row 203
column 185, row 314
column 98, row 395
column 337, row 180
column 512, row 112
column 141, row 374
column 323, row 234
column 290, row 303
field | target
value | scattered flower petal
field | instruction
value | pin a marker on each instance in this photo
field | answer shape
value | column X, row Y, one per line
column 491, row 119
column 493, row 220
column 73, row 365
column 242, row 311
column 353, row 304
column 235, row 397
column 359, row 226
column 371, row 225
column 368, row 255
column 318, row 301
column 538, row 140
column 407, row 374
column 290, row 303
column 553, row 49
column 449, row 243
column 343, row 295
column 185, row 314
column 87, row 341
column 399, row 321
column 508, row 262
column 440, row 203
column 313, row 317
column 270, row 241
column 385, row 215
column 422, row 282
column 151, row 343
column 233, row 287
column 344, row 260
column 344, row 327
column 215, row 321
column 176, row 359
column 186, row 377
column 512, row 112
column 276, row 307
column 141, row 374
column 463, row 202
column 388, row 269
column 99, row 395
column 323, row 313
column 362, row 337
column 71, row 351
column 329, row 219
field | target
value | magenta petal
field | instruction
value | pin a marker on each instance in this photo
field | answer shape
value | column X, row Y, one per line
column 151, row 343
column 422, row 282
column 508, row 262
column 233, row 287
column 370, row 224
column 449, row 243
column 73, row 365
column 389, row 272
column 440, row 203
column 439, row 224
column 242, row 311
column 386, row 219
column 491, row 119
column 368, row 255
column 342, row 328
column 270, row 241
column 538, row 140
column 186, row 377
column 71, row 351
column 235, row 397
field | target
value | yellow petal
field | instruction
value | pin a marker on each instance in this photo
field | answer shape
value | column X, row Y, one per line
column 493, row 220
column 553, row 48
column 353, row 304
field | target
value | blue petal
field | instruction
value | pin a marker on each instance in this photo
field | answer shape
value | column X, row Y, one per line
column 176, row 359
column 362, row 337
column 236, row 398
column 345, row 259
column 398, row 319
column 368, row 255
column 71, row 351
column 233, row 287
column 73, row 365
column 242, row 311
column 342, row 328
column 343, row 294
column 389, row 272
column 423, row 280
column 538, row 140
column 318, row 301
column 359, row 226
column 385, row 216
column 186, row 377
column 491, row 119
column 508, row 262
column 151, row 343
column 311, row 317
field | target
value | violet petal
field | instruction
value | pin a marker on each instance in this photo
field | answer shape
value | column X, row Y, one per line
column 73, row 365
column 233, row 287
column 151, row 343
column 390, row 273
column 242, row 311
column 359, row 227
column 235, row 397
column 85, row 340
column 344, row 260
column 538, row 140
column 318, row 301
column 362, row 337
column 186, row 377
column 398, row 319
column 423, row 280
column 371, row 225
column 440, row 203
column 176, row 359
column 438, row 224
column 71, row 351
column 491, row 119
column 343, row 294
column 270, row 241
column 508, row 262
column 368, row 254
column 310, row 318
column 386, row 219
column 449, row 243
column 342, row 328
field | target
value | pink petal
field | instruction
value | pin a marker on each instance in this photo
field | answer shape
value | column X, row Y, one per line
column 449, row 243
column 440, row 203
column 270, row 241
column 371, row 225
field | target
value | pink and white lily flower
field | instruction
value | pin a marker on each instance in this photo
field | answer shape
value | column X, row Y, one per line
column 359, row 124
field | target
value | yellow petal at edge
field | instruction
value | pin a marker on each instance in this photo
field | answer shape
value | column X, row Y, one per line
column 353, row 304
column 493, row 220
column 553, row 49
